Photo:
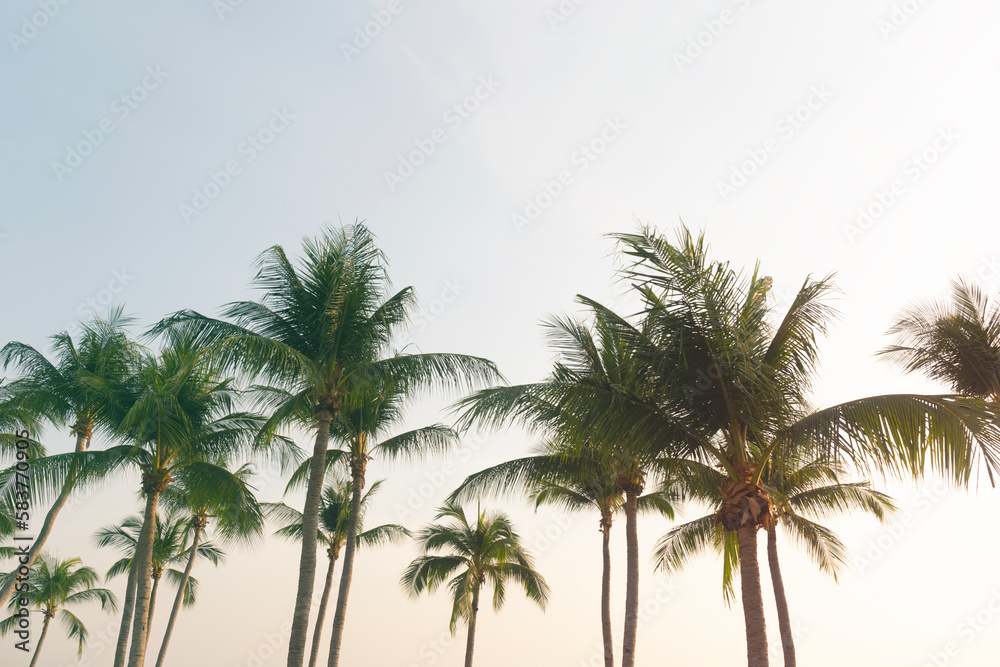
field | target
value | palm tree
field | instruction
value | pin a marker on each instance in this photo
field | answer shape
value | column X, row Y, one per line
column 334, row 520
column 370, row 413
column 235, row 522
column 717, row 383
column 797, row 491
column 60, row 393
column 321, row 331
column 575, row 480
column 170, row 547
column 731, row 389
column 52, row 587
column 474, row 555
column 595, row 373
column 178, row 416
column 957, row 343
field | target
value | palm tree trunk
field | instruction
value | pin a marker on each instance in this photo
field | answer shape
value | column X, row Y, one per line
column 470, row 643
column 753, row 599
column 310, row 526
column 41, row 638
column 142, row 563
column 784, row 623
column 128, row 610
column 357, row 485
column 152, row 603
column 321, row 614
column 631, row 579
column 82, row 442
column 609, row 650
column 180, row 594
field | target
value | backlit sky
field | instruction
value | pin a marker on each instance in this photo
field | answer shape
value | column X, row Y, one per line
column 150, row 152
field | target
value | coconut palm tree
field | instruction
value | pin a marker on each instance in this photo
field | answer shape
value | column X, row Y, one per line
column 52, row 587
column 486, row 552
column 957, row 343
column 321, row 330
column 240, row 522
column 730, row 389
column 60, row 393
column 596, row 371
column 720, row 383
column 334, row 520
column 800, row 493
column 170, row 549
column 574, row 479
column 178, row 417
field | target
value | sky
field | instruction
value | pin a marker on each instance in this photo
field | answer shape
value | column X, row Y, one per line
column 151, row 152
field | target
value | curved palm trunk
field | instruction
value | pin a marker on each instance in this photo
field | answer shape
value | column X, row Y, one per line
column 784, row 623
column 128, row 610
column 753, row 599
column 358, row 484
column 470, row 643
column 631, row 579
column 180, row 593
column 82, row 442
column 310, row 526
column 142, row 563
column 609, row 649
column 41, row 638
column 321, row 614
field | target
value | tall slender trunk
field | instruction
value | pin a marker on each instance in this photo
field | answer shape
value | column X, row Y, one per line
column 631, row 578
column 82, row 442
column 470, row 642
column 321, row 614
column 753, row 599
column 310, row 526
column 41, row 638
column 609, row 649
column 199, row 524
column 142, row 562
column 357, row 485
column 128, row 610
column 784, row 623
column 152, row 602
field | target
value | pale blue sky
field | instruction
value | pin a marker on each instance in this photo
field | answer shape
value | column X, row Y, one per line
column 612, row 76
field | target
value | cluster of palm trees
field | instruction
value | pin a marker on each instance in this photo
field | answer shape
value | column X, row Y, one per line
column 701, row 396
